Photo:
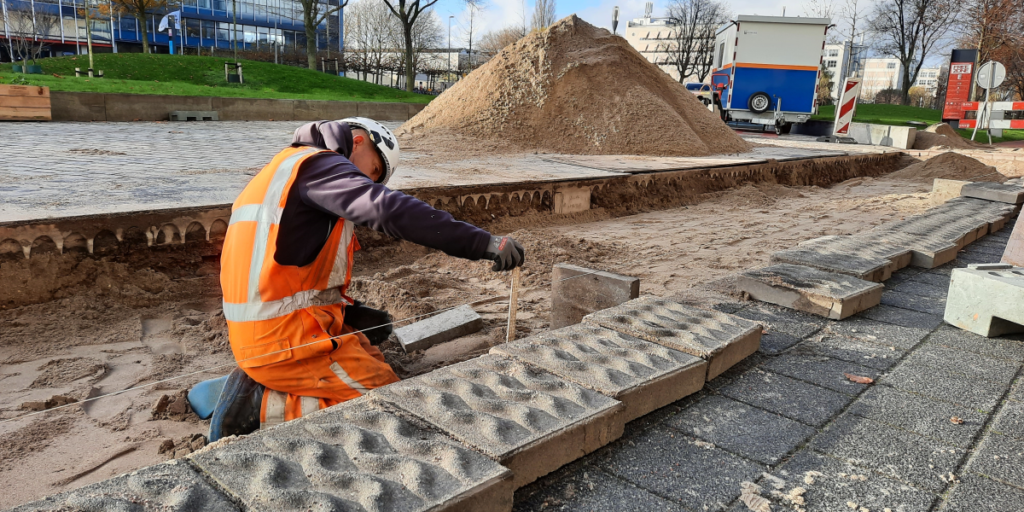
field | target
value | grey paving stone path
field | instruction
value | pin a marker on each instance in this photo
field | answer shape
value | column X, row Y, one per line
column 940, row 429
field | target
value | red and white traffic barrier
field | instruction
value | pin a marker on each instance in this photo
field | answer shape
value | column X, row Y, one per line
column 847, row 106
column 1015, row 110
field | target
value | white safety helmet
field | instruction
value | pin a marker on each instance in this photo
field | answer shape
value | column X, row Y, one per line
column 383, row 139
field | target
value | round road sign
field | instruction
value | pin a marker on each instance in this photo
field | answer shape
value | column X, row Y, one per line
column 991, row 75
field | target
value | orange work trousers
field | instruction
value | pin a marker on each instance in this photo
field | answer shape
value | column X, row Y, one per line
column 309, row 381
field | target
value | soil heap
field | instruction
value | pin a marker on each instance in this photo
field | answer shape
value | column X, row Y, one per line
column 951, row 166
column 577, row 89
column 941, row 134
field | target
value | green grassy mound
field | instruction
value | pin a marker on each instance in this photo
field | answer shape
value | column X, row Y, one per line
column 182, row 75
column 899, row 115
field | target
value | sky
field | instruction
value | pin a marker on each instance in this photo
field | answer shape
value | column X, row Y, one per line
column 501, row 13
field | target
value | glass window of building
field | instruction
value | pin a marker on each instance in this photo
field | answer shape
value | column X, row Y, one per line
column 191, row 27
column 250, row 34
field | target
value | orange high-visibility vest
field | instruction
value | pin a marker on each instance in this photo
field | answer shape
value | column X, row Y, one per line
column 266, row 304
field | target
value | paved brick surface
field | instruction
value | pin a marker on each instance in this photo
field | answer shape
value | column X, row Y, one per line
column 592, row 489
column 88, row 168
column 741, row 429
column 888, row 445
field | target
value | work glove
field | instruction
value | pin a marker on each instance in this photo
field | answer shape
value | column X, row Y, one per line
column 374, row 323
column 506, row 253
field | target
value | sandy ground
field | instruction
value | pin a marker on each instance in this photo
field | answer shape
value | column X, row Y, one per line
column 94, row 342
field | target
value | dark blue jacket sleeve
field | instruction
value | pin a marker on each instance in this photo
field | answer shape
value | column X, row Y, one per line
column 334, row 185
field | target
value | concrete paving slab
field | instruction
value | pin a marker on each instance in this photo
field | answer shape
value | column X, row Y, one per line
column 348, row 457
column 945, row 386
column 679, row 467
column 852, row 350
column 973, row 492
column 961, row 340
column 827, row 294
column 721, row 339
column 895, row 453
column 578, row 291
column 1010, row 420
column 440, row 328
column 832, row 484
column 930, row 305
column 531, row 421
column 902, row 317
column 823, row 371
column 880, row 333
column 986, row 301
column 973, row 365
column 642, row 375
column 780, row 319
column 806, row 403
column 991, row 191
column 741, row 429
column 172, row 486
column 999, row 457
column 866, row 268
column 920, row 414
column 590, row 489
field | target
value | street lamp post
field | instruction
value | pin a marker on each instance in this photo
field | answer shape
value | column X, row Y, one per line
column 450, row 47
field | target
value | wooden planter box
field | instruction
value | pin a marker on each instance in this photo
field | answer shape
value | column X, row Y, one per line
column 24, row 103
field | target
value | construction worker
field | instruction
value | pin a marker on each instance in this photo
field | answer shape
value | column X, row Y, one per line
column 287, row 264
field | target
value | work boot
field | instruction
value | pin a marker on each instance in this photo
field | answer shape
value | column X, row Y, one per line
column 238, row 408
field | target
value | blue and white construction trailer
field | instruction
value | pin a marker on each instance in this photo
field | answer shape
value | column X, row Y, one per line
column 766, row 69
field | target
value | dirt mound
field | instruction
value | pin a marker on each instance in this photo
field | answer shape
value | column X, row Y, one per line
column 941, row 134
column 951, row 166
column 574, row 88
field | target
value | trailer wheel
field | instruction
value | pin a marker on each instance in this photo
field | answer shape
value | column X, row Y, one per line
column 783, row 128
column 759, row 102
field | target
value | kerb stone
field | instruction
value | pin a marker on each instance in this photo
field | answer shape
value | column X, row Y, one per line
column 827, row 294
column 991, row 191
column 578, row 291
column 1013, row 254
column 642, row 375
column 986, row 299
column 439, row 329
column 357, row 456
column 720, row 339
column 530, row 421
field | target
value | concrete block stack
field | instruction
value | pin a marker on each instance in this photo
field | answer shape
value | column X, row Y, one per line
column 837, row 276
column 460, row 438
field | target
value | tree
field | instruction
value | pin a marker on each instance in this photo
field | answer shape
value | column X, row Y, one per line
column 426, row 34
column 496, row 40
column 28, row 32
column 473, row 7
column 138, row 9
column 826, row 81
column 543, row 14
column 693, row 37
column 911, row 30
column 370, row 34
column 313, row 14
column 407, row 12
column 824, row 9
column 919, row 96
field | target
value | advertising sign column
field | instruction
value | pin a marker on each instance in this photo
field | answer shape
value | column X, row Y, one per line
column 959, row 84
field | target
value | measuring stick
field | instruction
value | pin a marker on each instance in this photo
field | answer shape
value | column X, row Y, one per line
column 513, row 306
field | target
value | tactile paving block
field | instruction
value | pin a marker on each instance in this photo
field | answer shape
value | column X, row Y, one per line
column 642, row 375
column 829, row 260
column 357, row 456
column 828, row 294
column 720, row 339
column 172, row 486
column 529, row 420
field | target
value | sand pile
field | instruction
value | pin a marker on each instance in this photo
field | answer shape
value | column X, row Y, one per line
column 941, row 134
column 951, row 166
column 573, row 88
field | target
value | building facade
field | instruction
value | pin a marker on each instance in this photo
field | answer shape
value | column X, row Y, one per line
column 842, row 60
column 879, row 74
column 655, row 39
column 928, row 79
column 249, row 24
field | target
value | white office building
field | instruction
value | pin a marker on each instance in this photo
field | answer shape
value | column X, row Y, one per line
column 654, row 38
column 928, row 79
column 842, row 60
column 880, row 74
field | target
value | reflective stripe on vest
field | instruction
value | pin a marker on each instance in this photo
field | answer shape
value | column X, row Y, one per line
column 267, row 214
